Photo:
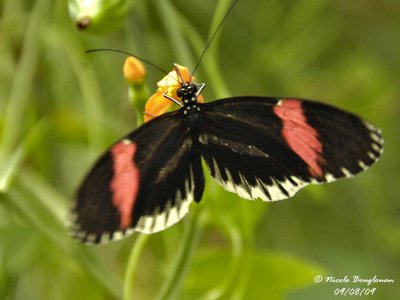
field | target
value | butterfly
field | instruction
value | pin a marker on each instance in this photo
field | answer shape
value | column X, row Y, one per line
column 256, row 147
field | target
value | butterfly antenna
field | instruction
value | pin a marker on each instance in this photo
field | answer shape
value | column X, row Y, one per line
column 130, row 54
column 214, row 35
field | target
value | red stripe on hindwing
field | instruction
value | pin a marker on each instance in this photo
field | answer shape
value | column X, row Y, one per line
column 125, row 181
column 299, row 135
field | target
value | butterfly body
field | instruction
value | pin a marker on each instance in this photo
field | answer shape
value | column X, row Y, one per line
column 256, row 147
column 191, row 109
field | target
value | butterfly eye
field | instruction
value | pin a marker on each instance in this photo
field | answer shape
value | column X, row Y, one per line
column 192, row 88
column 179, row 92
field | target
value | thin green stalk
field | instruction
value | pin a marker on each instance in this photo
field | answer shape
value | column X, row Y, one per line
column 40, row 220
column 49, row 198
column 189, row 240
column 225, row 287
column 210, row 59
column 22, row 83
column 100, row 272
column 173, row 31
column 239, row 289
column 244, row 269
column 132, row 264
column 211, row 69
column 10, row 168
column 91, row 93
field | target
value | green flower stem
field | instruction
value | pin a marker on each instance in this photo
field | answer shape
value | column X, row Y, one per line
column 50, row 226
column 132, row 264
column 10, row 168
column 229, row 281
column 239, row 288
column 22, row 83
column 48, row 198
column 173, row 31
column 99, row 271
column 89, row 87
column 210, row 61
column 190, row 236
column 246, row 263
column 138, row 96
column 90, row 90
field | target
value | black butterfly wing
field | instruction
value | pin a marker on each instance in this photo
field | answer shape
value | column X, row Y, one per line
column 269, row 148
column 145, row 182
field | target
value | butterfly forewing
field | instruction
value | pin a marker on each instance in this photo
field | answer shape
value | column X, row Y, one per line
column 269, row 148
column 349, row 144
column 145, row 183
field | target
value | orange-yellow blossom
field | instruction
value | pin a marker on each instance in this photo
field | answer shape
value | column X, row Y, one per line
column 134, row 70
column 158, row 104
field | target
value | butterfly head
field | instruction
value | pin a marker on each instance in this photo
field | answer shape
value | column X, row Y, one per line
column 188, row 94
column 177, row 87
column 187, row 91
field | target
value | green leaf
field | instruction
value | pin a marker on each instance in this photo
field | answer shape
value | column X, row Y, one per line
column 276, row 274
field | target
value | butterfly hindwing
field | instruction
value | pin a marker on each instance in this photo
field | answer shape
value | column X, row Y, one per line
column 269, row 148
column 145, row 183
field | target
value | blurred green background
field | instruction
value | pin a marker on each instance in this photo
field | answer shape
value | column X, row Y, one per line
column 60, row 108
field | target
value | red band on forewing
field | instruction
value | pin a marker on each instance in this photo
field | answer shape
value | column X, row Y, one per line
column 299, row 135
column 125, row 182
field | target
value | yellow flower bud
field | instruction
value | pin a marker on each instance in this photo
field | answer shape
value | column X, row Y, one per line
column 134, row 70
